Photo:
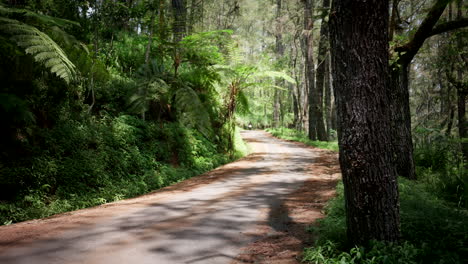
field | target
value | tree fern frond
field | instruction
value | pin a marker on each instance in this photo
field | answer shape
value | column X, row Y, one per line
column 138, row 104
column 38, row 44
column 192, row 112
column 39, row 18
column 242, row 104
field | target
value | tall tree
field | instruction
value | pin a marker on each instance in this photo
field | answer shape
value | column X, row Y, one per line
column 315, row 93
column 178, row 29
column 309, row 67
column 322, row 75
column 359, row 41
column 462, row 91
column 401, row 116
column 279, row 56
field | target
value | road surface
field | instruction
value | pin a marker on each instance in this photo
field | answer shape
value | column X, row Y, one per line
column 207, row 219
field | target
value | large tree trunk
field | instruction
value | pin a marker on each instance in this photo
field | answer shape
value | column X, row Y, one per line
column 322, row 71
column 359, row 41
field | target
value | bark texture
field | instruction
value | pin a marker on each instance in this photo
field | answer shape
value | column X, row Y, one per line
column 279, row 54
column 321, row 77
column 309, row 66
column 359, row 41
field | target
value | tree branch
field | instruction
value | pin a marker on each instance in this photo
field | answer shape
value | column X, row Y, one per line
column 422, row 33
column 448, row 26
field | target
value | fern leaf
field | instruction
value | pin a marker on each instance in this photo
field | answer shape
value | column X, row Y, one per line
column 192, row 112
column 38, row 44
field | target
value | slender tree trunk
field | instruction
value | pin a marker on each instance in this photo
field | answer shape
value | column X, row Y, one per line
column 150, row 36
column 276, row 108
column 322, row 71
column 359, row 41
column 191, row 17
column 178, row 29
column 401, row 122
column 393, row 19
column 279, row 56
column 461, row 106
column 310, row 68
column 462, row 91
column 448, row 132
column 328, row 98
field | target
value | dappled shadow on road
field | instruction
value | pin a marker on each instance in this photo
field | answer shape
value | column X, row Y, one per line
column 201, row 223
column 174, row 232
column 284, row 236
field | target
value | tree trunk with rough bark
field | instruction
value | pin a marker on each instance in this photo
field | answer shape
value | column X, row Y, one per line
column 279, row 56
column 402, row 141
column 462, row 91
column 308, row 46
column 401, row 116
column 178, row 29
column 359, row 44
column 322, row 71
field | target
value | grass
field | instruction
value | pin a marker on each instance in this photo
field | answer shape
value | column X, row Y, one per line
column 434, row 217
column 294, row 135
column 241, row 149
column 433, row 231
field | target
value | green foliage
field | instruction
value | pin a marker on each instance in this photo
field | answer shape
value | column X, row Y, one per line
column 432, row 232
column 87, row 163
column 377, row 253
column 37, row 43
column 439, row 164
column 292, row 134
column 205, row 48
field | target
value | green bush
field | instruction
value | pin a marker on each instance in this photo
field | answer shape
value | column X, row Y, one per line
column 439, row 165
column 78, row 164
column 376, row 253
column 433, row 231
column 292, row 134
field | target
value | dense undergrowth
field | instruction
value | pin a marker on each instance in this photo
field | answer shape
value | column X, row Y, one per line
column 295, row 135
column 434, row 215
column 93, row 113
column 433, row 231
column 81, row 164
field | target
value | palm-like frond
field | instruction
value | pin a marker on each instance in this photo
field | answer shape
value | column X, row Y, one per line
column 242, row 104
column 153, row 90
column 191, row 110
column 44, row 49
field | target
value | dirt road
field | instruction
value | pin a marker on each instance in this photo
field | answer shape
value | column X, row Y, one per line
column 253, row 210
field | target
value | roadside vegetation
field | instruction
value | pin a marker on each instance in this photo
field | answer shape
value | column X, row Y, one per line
column 105, row 100
column 300, row 136
column 434, row 215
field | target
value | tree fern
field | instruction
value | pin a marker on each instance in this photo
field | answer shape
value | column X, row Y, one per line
column 242, row 106
column 191, row 111
column 38, row 44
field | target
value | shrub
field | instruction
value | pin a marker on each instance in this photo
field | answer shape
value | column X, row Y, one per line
column 85, row 163
column 433, row 231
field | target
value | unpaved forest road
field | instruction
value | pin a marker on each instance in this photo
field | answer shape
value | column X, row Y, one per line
column 251, row 211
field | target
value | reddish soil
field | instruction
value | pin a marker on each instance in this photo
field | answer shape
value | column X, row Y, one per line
column 279, row 238
column 301, row 209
